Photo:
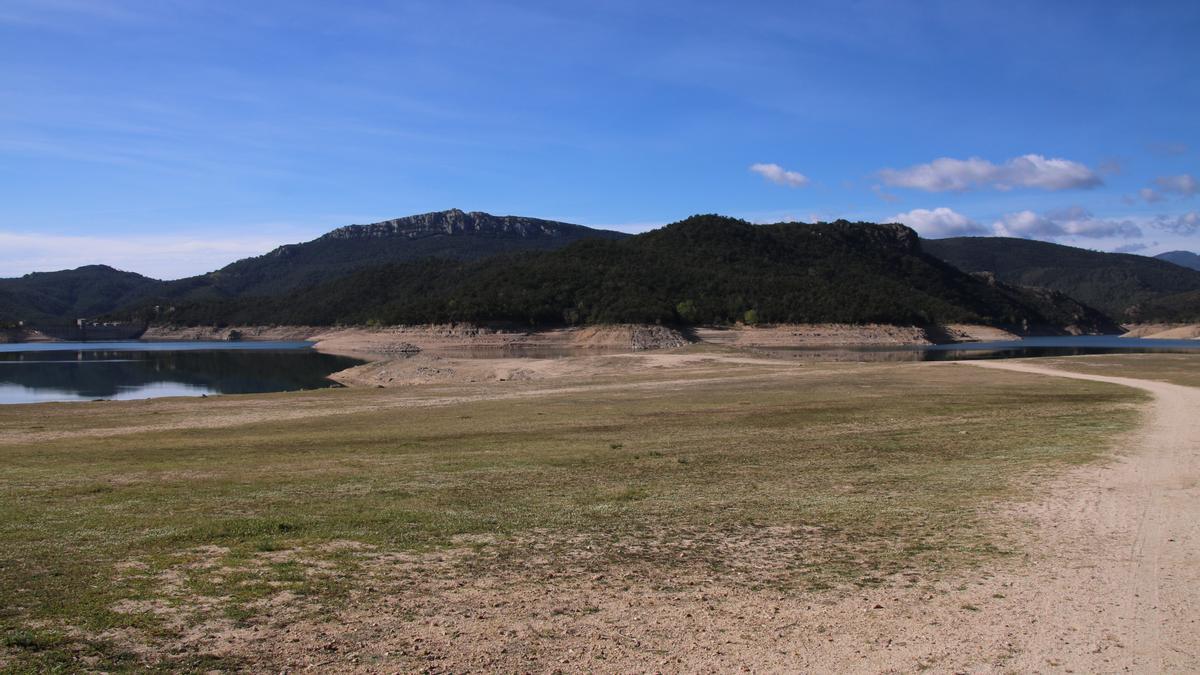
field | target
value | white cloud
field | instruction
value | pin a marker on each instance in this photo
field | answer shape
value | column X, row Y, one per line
column 1072, row 222
column 1185, row 224
column 940, row 222
column 947, row 174
column 777, row 174
column 1150, row 195
column 158, row 256
column 1184, row 184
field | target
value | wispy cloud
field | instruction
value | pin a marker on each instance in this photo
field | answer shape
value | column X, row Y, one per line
column 947, row 174
column 1183, row 185
column 779, row 175
column 1185, row 224
column 940, row 222
column 158, row 256
column 1072, row 222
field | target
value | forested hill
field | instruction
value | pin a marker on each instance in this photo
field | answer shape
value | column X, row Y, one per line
column 1122, row 285
column 452, row 234
column 87, row 292
column 706, row 269
column 1182, row 258
column 62, row 297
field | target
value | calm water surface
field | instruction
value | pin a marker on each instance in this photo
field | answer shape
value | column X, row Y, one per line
column 1029, row 347
column 85, row 371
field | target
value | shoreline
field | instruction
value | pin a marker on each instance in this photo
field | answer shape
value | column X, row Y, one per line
column 481, row 341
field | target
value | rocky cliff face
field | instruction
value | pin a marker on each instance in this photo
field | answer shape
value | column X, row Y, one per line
column 455, row 222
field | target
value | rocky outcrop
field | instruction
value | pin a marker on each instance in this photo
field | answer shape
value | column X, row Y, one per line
column 168, row 333
column 456, row 222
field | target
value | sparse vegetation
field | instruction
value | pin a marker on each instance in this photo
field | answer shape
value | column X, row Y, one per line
column 125, row 525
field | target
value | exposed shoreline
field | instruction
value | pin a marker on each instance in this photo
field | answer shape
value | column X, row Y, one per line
column 389, row 340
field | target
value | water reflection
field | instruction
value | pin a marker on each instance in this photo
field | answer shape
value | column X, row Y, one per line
column 27, row 377
column 1027, row 348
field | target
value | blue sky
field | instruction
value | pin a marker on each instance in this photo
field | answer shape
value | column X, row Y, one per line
column 172, row 136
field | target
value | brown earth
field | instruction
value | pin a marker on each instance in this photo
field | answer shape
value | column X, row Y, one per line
column 392, row 340
column 173, row 333
column 1111, row 584
column 1164, row 331
column 494, row 342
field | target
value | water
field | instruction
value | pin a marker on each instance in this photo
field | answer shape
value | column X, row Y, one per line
column 1029, row 347
column 85, row 371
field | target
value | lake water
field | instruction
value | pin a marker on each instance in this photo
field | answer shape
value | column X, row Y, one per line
column 1030, row 347
column 85, row 371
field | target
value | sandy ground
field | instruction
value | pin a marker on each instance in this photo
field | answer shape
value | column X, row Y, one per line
column 393, row 340
column 450, row 338
column 1119, row 588
column 1164, row 331
column 1114, row 586
column 833, row 334
column 1111, row 583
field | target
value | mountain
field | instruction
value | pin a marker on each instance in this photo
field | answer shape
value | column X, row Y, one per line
column 1178, row 308
column 1119, row 284
column 453, row 234
column 1182, row 258
column 61, row 297
column 706, row 269
column 95, row 290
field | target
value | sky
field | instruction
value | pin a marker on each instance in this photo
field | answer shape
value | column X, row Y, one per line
column 170, row 137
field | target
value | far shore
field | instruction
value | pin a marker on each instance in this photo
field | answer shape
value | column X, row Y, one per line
column 374, row 343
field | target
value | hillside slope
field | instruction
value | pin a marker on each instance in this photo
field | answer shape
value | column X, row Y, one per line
column 452, row 234
column 1116, row 283
column 706, row 269
column 1182, row 258
column 61, row 297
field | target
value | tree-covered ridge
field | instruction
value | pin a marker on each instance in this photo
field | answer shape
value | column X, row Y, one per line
column 1178, row 308
column 1115, row 283
column 62, row 297
column 705, row 269
column 1182, row 258
column 452, row 234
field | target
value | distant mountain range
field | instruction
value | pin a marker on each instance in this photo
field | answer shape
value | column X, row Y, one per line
column 97, row 290
column 1181, row 258
column 706, row 269
column 1126, row 287
column 459, row 266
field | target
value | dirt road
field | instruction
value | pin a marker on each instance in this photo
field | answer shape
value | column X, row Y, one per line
column 1111, row 584
column 1127, row 549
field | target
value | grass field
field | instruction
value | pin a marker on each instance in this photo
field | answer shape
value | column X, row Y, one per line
column 1174, row 368
column 248, row 513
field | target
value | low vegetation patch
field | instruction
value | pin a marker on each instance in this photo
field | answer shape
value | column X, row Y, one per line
column 180, row 549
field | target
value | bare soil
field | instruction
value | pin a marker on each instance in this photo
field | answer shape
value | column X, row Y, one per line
column 1164, row 331
column 1112, row 585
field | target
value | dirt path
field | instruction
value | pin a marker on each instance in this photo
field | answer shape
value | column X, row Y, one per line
column 1127, row 548
column 1111, row 584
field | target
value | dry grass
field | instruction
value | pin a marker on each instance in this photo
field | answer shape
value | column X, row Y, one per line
column 1175, row 368
column 121, row 550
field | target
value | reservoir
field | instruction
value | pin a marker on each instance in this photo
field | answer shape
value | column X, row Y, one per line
column 86, row 371
column 1068, row 345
